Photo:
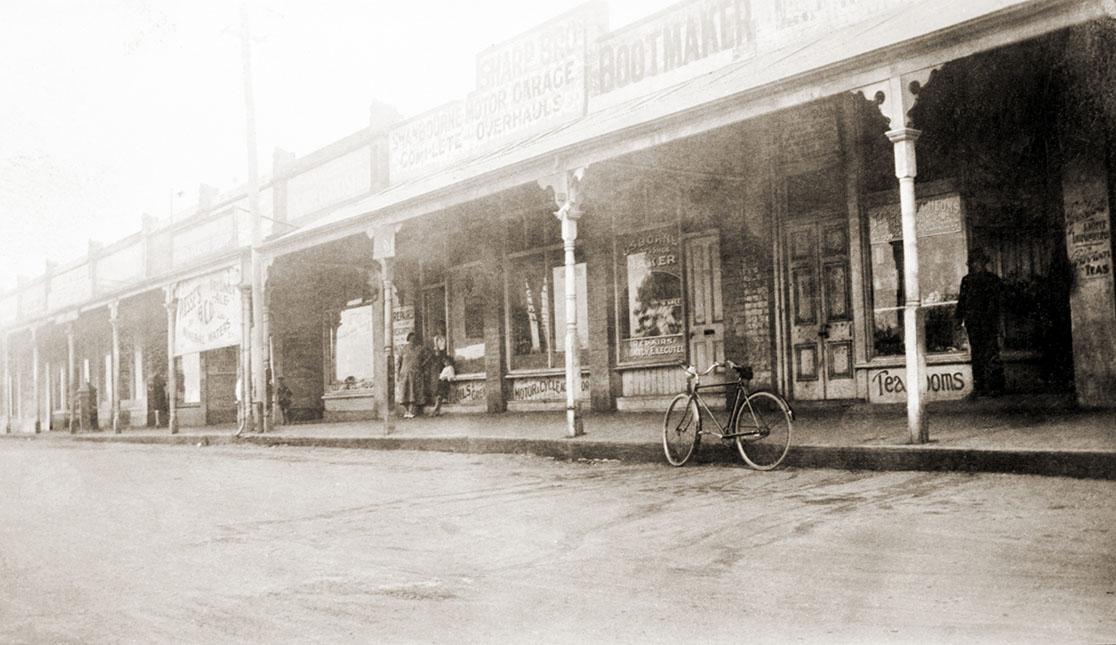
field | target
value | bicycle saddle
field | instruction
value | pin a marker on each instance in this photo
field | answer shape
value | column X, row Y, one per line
column 743, row 371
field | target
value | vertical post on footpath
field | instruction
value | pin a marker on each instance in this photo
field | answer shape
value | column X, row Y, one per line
column 244, row 382
column 259, row 379
column 383, row 251
column 171, row 303
column 71, row 387
column 35, row 380
column 914, row 339
column 895, row 98
column 114, row 322
column 7, row 384
column 566, row 186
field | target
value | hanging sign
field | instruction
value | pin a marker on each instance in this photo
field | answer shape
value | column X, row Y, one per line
column 209, row 313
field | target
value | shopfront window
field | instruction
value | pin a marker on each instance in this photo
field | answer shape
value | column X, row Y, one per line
column 650, row 321
column 942, row 253
column 351, row 349
column 466, row 327
column 188, row 376
column 536, row 308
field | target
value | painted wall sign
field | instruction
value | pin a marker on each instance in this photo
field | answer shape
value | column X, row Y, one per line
column 1088, row 237
column 334, row 181
column 671, row 39
column 943, row 383
column 431, row 140
column 468, row 392
column 544, row 388
column 936, row 215
column 534, row 80
column 209, row 313
column 525, row 85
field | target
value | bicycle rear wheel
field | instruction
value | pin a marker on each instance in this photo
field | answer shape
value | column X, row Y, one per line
column 680, row 430
column 763, row 430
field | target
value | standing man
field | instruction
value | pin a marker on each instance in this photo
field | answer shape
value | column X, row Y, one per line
column 284, row 395
column 979, row 310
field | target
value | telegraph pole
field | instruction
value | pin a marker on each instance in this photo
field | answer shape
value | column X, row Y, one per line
column 256, row 364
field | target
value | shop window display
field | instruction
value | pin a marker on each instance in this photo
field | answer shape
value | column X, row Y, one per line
column 351, row 352
column 942, row 252
column 536, row 309
column 188, row 376
column 466, row 324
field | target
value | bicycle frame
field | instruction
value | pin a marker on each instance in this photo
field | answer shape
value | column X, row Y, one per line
column 739, row 401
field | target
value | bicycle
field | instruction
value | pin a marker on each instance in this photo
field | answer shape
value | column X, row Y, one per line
column 760, row 421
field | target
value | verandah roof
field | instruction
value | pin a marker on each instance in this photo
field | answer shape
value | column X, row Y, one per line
column 898, row 41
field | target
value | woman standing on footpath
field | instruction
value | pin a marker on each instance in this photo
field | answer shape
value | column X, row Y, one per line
column 408, row 370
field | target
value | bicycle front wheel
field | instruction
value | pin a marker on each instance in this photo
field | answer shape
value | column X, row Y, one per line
column 763, row 430
column 680, row 430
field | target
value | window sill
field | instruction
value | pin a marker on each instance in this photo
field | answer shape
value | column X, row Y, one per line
column 556, row 371
column 350, row 394
column 943, row 358
column 641, row 366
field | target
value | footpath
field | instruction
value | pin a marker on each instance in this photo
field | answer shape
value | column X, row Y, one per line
column 1025, row 435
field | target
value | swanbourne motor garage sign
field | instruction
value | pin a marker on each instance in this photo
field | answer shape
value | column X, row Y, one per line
column 525, row 85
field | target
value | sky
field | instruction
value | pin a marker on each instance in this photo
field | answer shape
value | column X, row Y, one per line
column 114, row 108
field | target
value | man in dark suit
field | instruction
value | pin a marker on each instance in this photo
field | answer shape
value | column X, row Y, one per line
column 979, row 310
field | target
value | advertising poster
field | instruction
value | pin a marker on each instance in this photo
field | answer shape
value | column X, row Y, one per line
column 209, row 313
column 403, row 323
column 652, row 263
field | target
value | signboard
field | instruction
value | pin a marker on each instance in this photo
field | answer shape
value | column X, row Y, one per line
column 1088, row 237
column 943, row 383
column 402, row 323
column 545, row 388
column 209, row 313
column 935, row 216
column 525, row 85
column 651, row 263
column 682, row 36
column 434, row 139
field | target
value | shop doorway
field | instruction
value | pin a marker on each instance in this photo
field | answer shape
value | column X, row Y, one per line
column 706, row 320
column 221, row 370
column 821, row 347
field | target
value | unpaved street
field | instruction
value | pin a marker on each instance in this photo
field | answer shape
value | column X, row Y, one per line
column 112, row 543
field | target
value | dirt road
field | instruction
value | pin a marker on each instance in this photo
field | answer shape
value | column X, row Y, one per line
column 202, row 544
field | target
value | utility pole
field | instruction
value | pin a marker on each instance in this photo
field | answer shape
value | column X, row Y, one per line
column 257, row 342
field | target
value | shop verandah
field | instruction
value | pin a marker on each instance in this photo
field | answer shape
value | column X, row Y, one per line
column 786, row 238
column 823, row 311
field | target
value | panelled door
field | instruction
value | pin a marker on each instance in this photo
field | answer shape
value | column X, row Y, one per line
column 821, row 344
column 706, row 312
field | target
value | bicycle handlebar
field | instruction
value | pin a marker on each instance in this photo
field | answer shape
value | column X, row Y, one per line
column 692, row 372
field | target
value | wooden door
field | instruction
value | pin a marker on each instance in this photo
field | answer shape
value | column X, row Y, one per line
column 821, row 330
column 705, row 310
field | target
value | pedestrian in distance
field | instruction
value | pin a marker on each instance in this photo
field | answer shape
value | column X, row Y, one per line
column 434, row 364
column 979, row 310
column 284, row 395
column 444, row 378
column 408, row 370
